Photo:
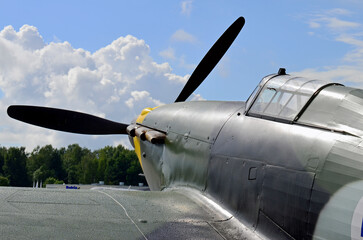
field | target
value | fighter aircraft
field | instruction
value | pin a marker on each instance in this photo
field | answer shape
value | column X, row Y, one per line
column 287, row 163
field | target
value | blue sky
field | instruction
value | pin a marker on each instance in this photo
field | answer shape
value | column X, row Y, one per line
column 319, row 38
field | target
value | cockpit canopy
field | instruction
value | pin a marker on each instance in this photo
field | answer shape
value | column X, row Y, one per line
column 282, row 97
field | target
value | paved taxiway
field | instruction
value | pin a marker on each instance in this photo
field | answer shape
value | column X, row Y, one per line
column 27, row 213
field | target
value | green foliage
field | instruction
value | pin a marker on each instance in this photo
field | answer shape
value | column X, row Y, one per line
column 116, row 167
column 15, row 167
column 103, row 155
column 52, row 180
column 39, row 174
column 45, row 162
column 72, row 165
column 88, row 167
column 4, row 181
column 2, row 158
column 132, row 173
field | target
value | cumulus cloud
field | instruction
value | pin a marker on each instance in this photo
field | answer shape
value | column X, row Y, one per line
column 177, row 78
column 142, row 97
column 28, row 37
column 115, row 82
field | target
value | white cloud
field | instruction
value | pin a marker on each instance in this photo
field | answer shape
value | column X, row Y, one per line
column 332, row 23
column 168, row 54
column 115, row 82
column 186, row 7
column 314, row 24
column 197, row 97
column 335, row 23
column 338, row 11
column 142, row 97
column 331, row 19
column 28, row 37
column 349, row 32
column 341, row 74
column 182, row 36
column 177, row 78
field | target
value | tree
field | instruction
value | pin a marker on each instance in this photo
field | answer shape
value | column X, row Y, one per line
column 88, row 167
column 72, row 163
column 48, row 159
column 39, row 175
column 102, row 156
column 123, row 166
column 3, row 151
column 132, row 174
column 4, row 181
column 72, row 176
column 15, row 167
column 116, row 167
column 52, row 180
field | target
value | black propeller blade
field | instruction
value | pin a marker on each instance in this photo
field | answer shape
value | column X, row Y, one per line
column 211, row 59
column 65, row 120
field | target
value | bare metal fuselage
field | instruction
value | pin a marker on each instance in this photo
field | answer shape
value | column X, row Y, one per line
column 278, row 178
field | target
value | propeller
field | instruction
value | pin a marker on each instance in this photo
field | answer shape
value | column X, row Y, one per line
column 211, row 59
column 65, row 120
column 77, row 122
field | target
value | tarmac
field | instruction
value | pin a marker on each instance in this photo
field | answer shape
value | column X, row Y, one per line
column 101, row 213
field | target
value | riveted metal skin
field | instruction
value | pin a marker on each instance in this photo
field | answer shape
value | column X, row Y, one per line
column 277, row 178
column 184, row 157
column 278, row 197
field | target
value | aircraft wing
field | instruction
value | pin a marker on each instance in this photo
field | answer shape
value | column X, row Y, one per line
column 110, row 214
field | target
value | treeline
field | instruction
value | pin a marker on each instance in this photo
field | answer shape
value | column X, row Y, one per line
column 71, row 165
